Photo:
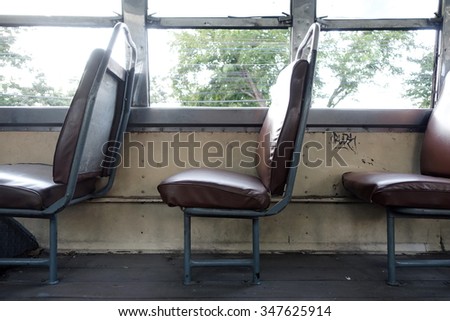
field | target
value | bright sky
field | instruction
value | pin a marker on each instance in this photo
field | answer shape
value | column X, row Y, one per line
column 160, row 7
column 331, row 8
column 211, row 8
column 377, row 8
column 61, row 7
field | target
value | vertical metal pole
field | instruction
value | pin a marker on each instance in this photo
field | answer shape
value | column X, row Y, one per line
column 444, row 54
column 390, row 218
column 304, row 15
column 256, row 255
column 53, row 250
column 187, row 249
column 134, row 16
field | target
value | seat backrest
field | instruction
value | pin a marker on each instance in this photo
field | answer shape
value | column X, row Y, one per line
column 286, row 118
column 435, row 153
column 98, row 113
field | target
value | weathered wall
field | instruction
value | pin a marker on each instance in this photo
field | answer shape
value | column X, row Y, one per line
column 322, row 216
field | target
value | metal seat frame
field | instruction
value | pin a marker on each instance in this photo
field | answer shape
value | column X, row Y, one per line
column 404, row 212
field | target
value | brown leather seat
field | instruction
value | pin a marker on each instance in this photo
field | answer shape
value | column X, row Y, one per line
column 31, row 186
column 214, row 188
column 399, row 189
column 95, row 122
column 222, row 193
column 424, row 195
column 224, row 189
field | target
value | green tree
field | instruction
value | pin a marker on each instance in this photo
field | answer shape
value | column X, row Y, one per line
column 16, row 91
column 219, row 67
column 354, row 58
column 237, row 67
column 420, row 83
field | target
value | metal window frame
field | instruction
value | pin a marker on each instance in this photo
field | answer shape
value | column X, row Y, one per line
column 303, row 14
column 223, row 119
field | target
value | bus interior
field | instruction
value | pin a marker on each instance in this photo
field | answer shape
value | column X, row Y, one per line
column 290, row 202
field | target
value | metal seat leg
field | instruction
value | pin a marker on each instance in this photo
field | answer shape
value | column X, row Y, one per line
column 53, row 250
column 256, row 254
column 390, row 220
column 253, row 262
column 187, row 249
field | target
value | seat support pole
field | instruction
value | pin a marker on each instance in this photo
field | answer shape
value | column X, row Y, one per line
column 390, row 220
column 187, row 249
column 256, row 256
column 53, row 250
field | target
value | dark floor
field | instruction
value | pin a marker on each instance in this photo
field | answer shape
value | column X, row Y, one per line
column 284, row 277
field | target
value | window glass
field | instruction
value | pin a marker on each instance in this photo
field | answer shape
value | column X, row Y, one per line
column 215, row 68
column 373, row 9
column 375, row 69
column 62, row 8
column 208, row 8
column 42, row 65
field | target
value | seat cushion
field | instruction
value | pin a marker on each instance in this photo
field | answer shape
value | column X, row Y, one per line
column 435, row 152
column 214, row 188
column 70, row 131
column 31, row 186
column 279, row 130
column 397, row 189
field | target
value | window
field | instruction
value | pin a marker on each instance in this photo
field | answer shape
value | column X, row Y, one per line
column 226, row 66
column 42, row 66
column 375, row 69
column 373, row 54
column 222, row 67
column 381, row 55
column 376, row 9
column 215, row 67
column 62, row 8
column 208, row 8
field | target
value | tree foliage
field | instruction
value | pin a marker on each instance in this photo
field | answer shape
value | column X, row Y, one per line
column 355, row 58
column 237, row 67
column 420, row 84
column 219, row 67
column 17, row 91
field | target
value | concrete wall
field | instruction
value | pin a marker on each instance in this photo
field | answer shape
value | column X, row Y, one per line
column 322, row 216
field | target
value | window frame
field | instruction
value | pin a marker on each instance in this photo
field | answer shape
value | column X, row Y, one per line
column 232, row 119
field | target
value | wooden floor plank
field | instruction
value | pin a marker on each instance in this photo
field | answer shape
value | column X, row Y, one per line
column 291, row 276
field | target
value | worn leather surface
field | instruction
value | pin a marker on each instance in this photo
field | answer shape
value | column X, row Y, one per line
column 68, row 137
column 214, row 188
column 31, row 186
column 399, row 189
column 278, row 132
column 435, row 153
